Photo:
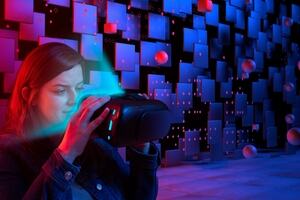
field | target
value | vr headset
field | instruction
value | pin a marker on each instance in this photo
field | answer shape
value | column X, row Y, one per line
column 133, row 119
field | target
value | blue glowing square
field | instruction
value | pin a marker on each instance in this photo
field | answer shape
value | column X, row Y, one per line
column 92, row 46
column 199, row 22
column 85, row 18
column 192, row 147
column 33, row 30
column 148, row 51
column 64, row 3
column 171, row 6
column 286, row 24
column 240, row 104
column 240, row 19
column 226, row 89
column 163, row 95
column 260, row 7
column 215, row 111
column 221, row 71
column 239, row 39
column 259, row 61
column 270, row 6
column 215, row 49
column 8, row 54
column 208, row 90
column 156, row 81
column 230, row 13
column 290, row 75
column 131, row 79
column 259, row 91
column 262, row 42
column 212, row 17
column 133, row 28
column 185, row 7
column 201, row 55
column 215, row 132
column 253, row 27
column 276, row 36
column 199, row 84
column 190, row 36
column 158, row 26
column 271, row 136
column 224, row 34
column 184, row 93
column 229, row 139
column 296, row 13
column 116, row 13
column 247, row 120
column 187, row 72
column 141, row 4
column 202, row 36
column 124, row 57
column 20, row 11
column 238, row 3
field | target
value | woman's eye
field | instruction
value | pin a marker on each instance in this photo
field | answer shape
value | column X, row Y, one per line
column 60, row 91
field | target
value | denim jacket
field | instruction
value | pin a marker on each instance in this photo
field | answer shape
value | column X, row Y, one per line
column 36, row 171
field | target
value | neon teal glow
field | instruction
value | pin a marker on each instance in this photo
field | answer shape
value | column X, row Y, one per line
column 114, row 112
column 110, row 125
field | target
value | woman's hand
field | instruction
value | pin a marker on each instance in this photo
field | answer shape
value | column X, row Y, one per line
column 79, row 128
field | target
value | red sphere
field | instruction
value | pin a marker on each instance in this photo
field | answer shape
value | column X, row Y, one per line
column 249, row 151
column 161, row 57
column 248, row 65
column 293, row 136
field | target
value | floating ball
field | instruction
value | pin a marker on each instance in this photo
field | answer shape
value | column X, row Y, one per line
column 249, row 151
column 161, row 57
column 293, row 136
column 289, row 118
column 204, row 5
column 248, row 65
column 288, row 87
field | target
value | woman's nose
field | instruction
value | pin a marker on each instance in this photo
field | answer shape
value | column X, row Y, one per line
column 72, row 98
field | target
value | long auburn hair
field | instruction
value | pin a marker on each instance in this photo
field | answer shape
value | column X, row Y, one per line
column 40, row 66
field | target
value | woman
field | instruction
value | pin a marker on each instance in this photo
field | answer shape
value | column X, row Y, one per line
column 35, row 163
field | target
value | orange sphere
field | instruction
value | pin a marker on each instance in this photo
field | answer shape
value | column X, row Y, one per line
column 161, row 57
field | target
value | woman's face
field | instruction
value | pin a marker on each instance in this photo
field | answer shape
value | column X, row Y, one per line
column 58, row 96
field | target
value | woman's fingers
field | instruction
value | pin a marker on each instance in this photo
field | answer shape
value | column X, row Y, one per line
column 96, row 122
column 90, row 109
column 89, row 102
